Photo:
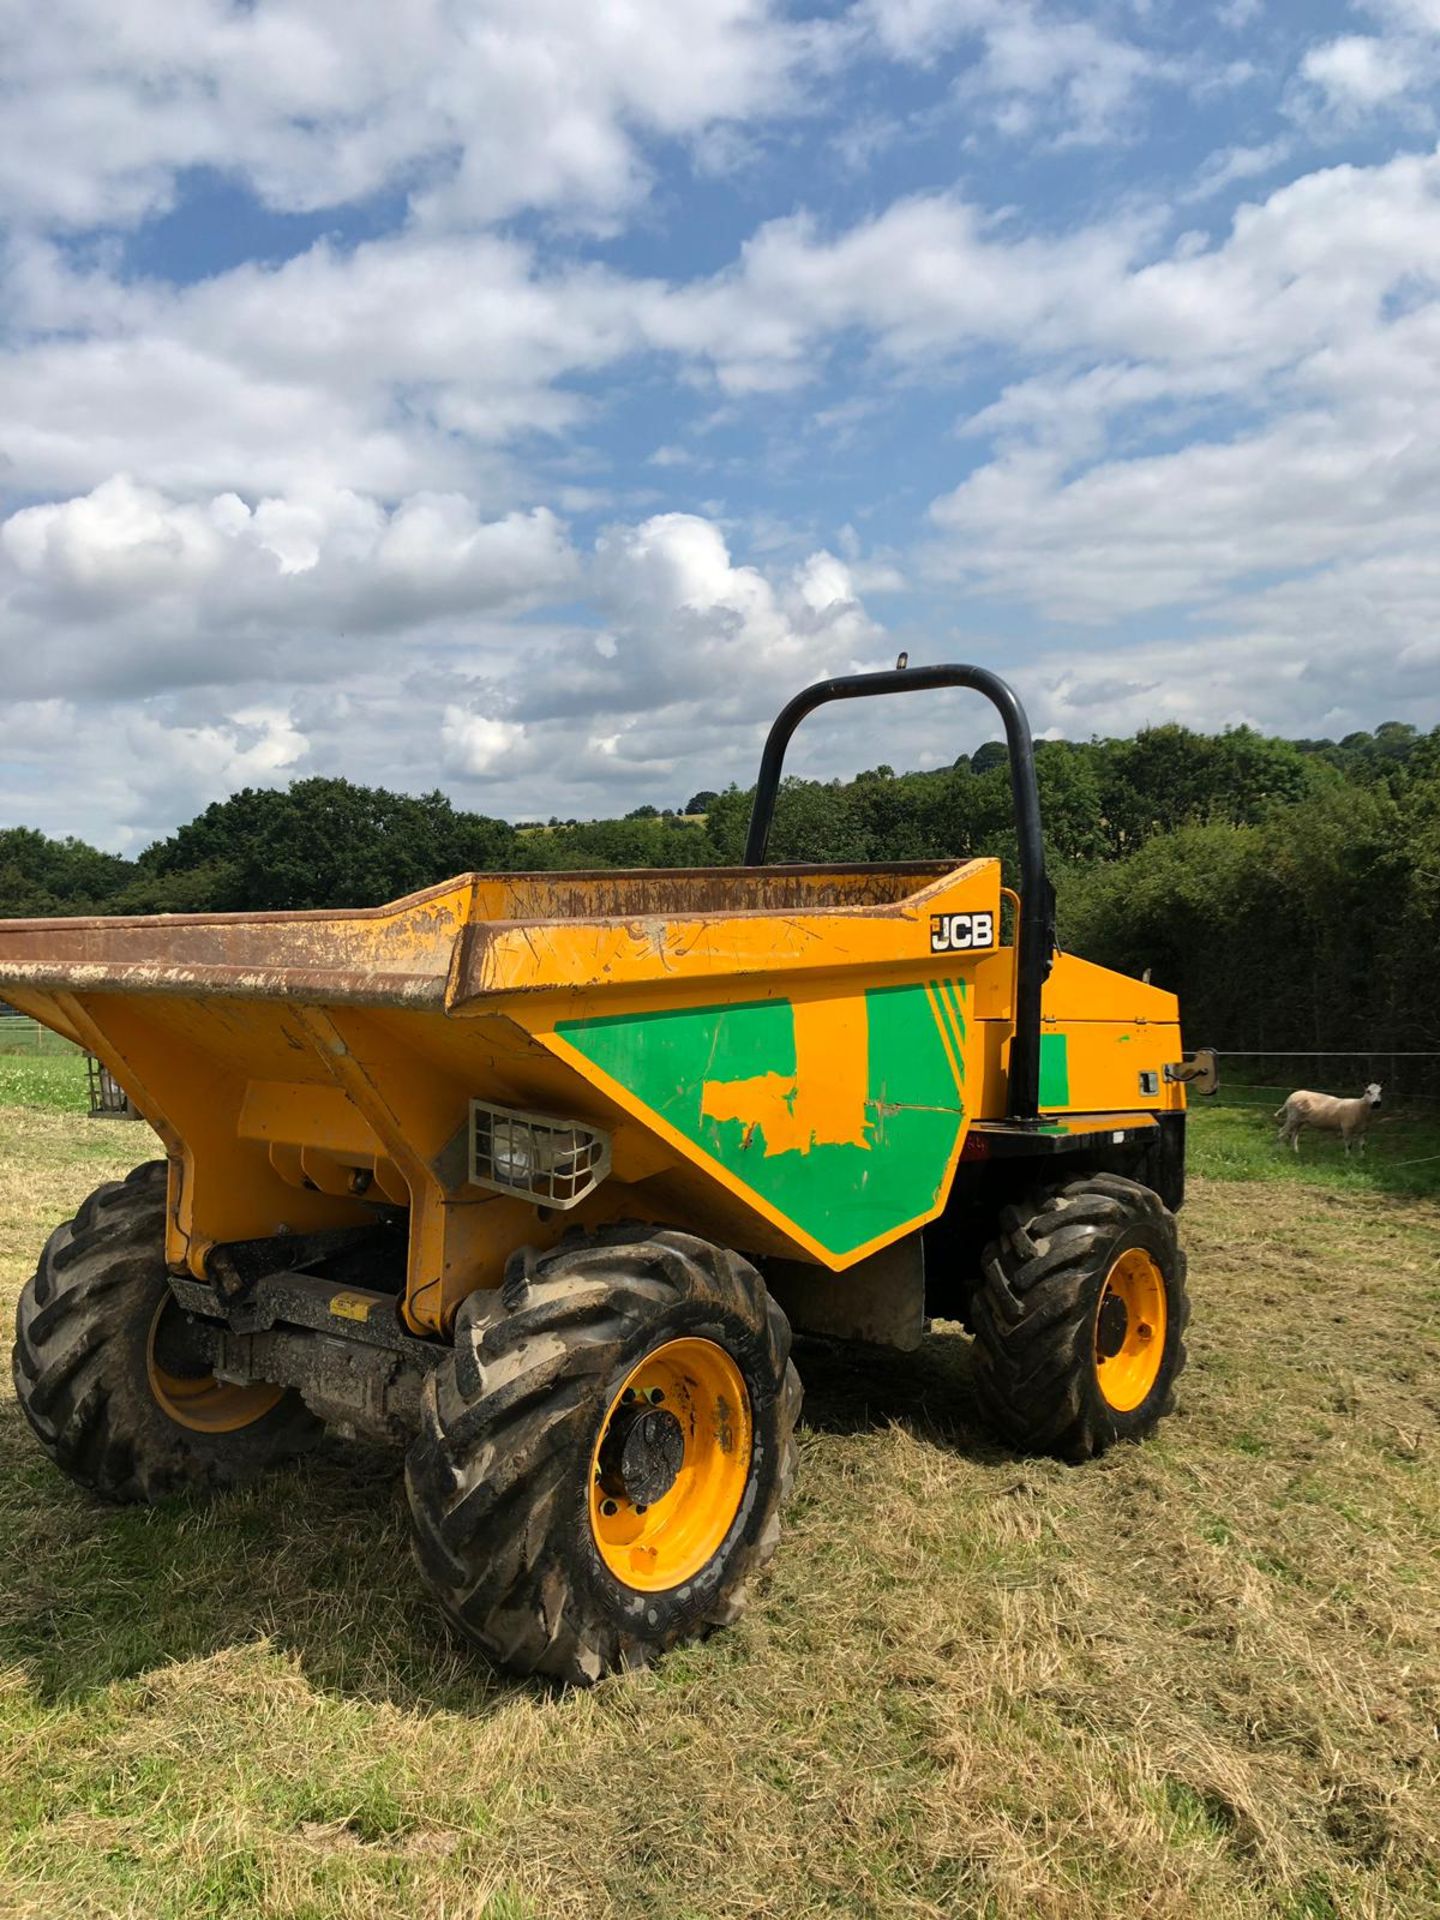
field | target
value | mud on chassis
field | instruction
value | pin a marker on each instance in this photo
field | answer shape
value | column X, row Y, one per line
column 472, row 1170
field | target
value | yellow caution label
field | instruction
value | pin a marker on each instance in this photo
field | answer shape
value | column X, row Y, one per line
column 350, row 1306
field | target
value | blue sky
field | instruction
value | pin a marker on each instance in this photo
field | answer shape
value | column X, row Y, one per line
column 524, row 398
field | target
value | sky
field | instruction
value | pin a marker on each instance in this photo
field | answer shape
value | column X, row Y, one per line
column 524, row 397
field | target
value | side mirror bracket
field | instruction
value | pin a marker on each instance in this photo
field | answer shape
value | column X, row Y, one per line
column 1199, row 1071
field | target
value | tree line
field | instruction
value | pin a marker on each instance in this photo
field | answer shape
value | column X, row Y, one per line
column 1289, row 890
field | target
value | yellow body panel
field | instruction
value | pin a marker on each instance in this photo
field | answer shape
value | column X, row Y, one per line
column 786, row 1060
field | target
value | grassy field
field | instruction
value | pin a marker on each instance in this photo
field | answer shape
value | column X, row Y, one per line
column 19, row 1036
column 1199, row 1679
column 56, row 1084
column 1233, row 1138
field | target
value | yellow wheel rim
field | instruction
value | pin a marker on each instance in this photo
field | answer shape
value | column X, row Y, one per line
column 1130, row 1330
column 670, row 1465
column 191, row 1395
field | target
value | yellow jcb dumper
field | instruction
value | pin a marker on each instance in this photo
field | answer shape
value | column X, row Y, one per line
column 537, row 1170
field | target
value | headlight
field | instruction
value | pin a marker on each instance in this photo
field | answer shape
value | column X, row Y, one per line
column 536, row 1156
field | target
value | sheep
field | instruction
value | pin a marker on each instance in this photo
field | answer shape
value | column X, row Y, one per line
column 1328, row 1114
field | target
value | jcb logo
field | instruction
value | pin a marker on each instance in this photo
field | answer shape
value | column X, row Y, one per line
column 961, row 932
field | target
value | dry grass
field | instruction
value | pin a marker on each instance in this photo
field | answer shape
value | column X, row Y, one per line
column 1199, row 1679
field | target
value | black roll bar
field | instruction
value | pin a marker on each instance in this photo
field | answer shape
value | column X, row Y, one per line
column 1035, row 932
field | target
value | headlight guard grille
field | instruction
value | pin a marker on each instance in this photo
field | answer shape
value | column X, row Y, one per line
column 536, row 1156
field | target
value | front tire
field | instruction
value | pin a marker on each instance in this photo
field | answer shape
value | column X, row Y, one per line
column 1079, row 1318
column 602, row 1460
column 107, row 1371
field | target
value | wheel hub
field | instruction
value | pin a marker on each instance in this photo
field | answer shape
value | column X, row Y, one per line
column 642, row 1453
column 178, row 1363
column 1130, row 1323
column 1112, row 1327
column 671, row 1463
column 180, row 1348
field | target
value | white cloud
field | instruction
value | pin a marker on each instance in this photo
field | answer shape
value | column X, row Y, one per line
column 344, row 373
column 1355, row 78
column 929, row 277
column 475, row 744
column 1039, row 74
column 1286, row 558
column 257, row 743
column 1319, row 657
column 1418, row 16
column 1030, row 62
column 120, row 538
column 495, row 105
column 1126, row 536
column 1326, row 300
column 134, row 771
column 213, row 645
column 1317, row 311
column 297, row 516
column 334, row 557
column 688, row 623
column 408, row 363
column 932, row 279
column 1223, row 169
column 1358, row 70
column 152, row 768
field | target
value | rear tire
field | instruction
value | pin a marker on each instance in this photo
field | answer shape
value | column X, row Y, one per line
column 1085, row 1267
column 105, row 1375
column 518, row 1433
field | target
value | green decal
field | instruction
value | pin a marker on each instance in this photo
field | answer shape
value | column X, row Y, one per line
column 847, row 1149
column 952, row 1015
column 1054, row 1070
